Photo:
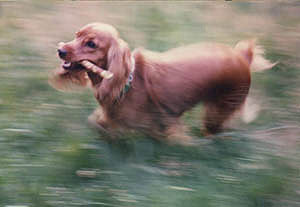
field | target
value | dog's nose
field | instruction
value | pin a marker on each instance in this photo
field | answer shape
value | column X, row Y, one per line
column 62, row 53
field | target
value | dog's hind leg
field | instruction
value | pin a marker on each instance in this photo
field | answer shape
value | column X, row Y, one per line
column 215, row 117
column 221, row 110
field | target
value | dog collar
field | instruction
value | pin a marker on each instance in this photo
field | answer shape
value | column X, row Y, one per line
column 130, row 77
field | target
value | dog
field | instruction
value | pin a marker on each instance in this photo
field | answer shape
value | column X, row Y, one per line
column 150, row 91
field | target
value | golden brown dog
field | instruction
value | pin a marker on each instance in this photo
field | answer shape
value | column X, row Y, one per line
column 149, row 91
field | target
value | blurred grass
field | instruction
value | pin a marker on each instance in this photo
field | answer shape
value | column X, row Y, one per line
column 48, row 151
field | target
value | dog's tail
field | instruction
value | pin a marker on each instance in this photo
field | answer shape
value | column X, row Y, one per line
column 254, row 55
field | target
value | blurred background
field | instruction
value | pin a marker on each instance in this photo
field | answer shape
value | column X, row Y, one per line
column 50, row 156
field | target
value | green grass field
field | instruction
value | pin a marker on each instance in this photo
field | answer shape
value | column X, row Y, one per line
column 50, row 156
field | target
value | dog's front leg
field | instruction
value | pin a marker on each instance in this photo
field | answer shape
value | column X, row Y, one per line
column 97, row 119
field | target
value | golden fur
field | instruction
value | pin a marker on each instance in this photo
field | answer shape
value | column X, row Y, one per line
column 164, row 85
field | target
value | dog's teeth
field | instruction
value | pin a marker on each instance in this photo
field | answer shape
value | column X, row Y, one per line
column 67, row 64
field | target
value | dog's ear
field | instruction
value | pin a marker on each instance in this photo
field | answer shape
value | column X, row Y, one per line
column 119, row 63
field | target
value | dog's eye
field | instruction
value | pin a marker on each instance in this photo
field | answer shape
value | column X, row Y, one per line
column 91, row 44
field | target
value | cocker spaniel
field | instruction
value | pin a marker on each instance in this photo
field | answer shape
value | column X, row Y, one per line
column 149, row 91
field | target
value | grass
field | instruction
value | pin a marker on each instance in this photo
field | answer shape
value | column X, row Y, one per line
column 45, row 141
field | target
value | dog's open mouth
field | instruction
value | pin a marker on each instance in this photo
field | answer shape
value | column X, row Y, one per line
column 89, row 66
column 66, row 65
column 72, row 65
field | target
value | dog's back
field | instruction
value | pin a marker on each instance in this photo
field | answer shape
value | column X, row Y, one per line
column 216, row 74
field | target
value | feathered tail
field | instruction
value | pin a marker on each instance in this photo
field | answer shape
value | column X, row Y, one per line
column 254, row 55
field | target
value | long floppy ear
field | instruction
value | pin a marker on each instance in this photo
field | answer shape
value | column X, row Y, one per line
column 119, row 63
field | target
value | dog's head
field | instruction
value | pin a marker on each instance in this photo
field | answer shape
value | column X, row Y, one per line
column 100, row 44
